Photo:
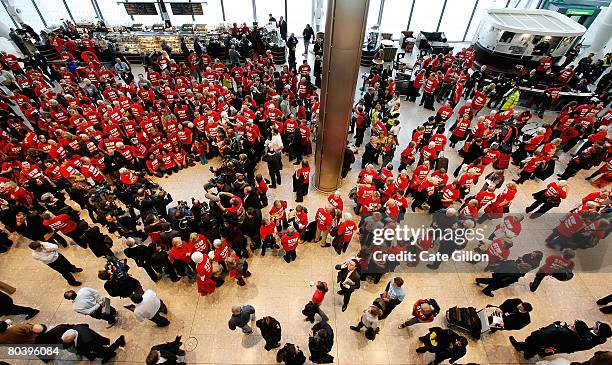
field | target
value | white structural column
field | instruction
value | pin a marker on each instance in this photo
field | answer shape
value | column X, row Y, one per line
column 603, row 33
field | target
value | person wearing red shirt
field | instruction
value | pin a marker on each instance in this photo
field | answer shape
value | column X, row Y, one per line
column 370, row 204
column 548, row 198
column 545, row 64
column 498, row 251
column 423, row 311
column 266, row 233
column 314, row 306
column 566, row 74
column 501, row 203
column 559, row 267
column 346, row 229
column 416, row 85
column 532, row 164
column 324, row 218
column 429, row 87
column 180, row 256
column 66, row 225
column 335, row 200
column 290, row 242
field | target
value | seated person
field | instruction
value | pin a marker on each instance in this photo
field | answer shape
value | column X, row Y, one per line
column 511, row 315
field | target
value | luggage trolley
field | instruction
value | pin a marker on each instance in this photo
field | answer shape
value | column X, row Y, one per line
column 475, row 323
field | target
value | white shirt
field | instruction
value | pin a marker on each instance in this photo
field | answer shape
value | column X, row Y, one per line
column 47, row 254
column 148, row 307
column 276, row 143
column 87, row 301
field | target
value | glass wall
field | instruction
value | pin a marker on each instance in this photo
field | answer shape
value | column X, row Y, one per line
column 239, row 11
column 54, row 11
column 82, row 10
column 213, row 14
column 455, row 19
column 482, row 7
column 395, row 16
column 266, row 7
column 28, row 14
column 373, row 11
column 113, row 13
column 426, row 15
column 299, row 13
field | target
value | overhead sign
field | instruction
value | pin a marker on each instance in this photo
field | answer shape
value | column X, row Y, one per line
column 186, row 8
column 579, row 12
column 140, row 8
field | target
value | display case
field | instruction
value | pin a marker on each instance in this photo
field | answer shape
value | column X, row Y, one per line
column 507, row 37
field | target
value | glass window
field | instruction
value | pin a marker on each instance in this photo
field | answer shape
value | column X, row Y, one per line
column 239, row 11
column 212, row 13
column 113, row 13
column 482, row 7
column 373, row 11
column 426, row 15
column 455, row 19
column 266, row 7
column 53, row 11
column 395, row 16
column 6, row 18
column 82, row 10
column 299, row 13
column 28, row 14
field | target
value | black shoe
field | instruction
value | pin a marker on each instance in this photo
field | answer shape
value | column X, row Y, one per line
column 34, row 312
column 601, row 301
column 355, row 328
column 75, row 283
column 487, row 293
column 78, row 269
column 515, row 343
column 605, row 310
column 344, row 308
column 532, row 287
column 421, row 350
column 121, row 341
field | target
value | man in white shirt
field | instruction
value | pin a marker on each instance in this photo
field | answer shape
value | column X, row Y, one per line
column 149, row 306
column 89, row 302
column 48, row 254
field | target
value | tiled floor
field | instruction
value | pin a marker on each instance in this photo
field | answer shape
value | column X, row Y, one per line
column 280, row 290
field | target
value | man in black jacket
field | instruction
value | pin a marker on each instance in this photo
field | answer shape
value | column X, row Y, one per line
column 143, row 255
column 320, row 343
column 86, row 342
column 514, row 314
column 509, row 272
column 169, row 351
column 32, row 227
column 349, row 280
column 282, row 26
column 560, row 337
column 250, row 227
column 270, row 331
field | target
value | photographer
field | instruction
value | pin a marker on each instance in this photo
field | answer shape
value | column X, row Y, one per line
column 117, row 281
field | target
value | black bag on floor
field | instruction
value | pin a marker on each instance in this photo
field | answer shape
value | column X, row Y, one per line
column 466, row 319
column 311, row 230
column 442, row 163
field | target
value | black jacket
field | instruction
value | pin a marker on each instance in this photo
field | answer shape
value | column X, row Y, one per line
column 513, row 319
column 142, row 254
column 89, row 343
column 271, row 332
column 343, row 273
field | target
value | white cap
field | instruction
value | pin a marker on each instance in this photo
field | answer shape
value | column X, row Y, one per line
column 197, row 257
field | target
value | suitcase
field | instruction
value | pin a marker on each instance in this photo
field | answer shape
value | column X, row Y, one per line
column 466, row 319
column 502, row 162
column 442, row 163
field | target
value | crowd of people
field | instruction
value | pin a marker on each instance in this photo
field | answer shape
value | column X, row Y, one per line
column 85, row 147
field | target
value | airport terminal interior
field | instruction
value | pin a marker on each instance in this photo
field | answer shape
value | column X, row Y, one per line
column 305, row 181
